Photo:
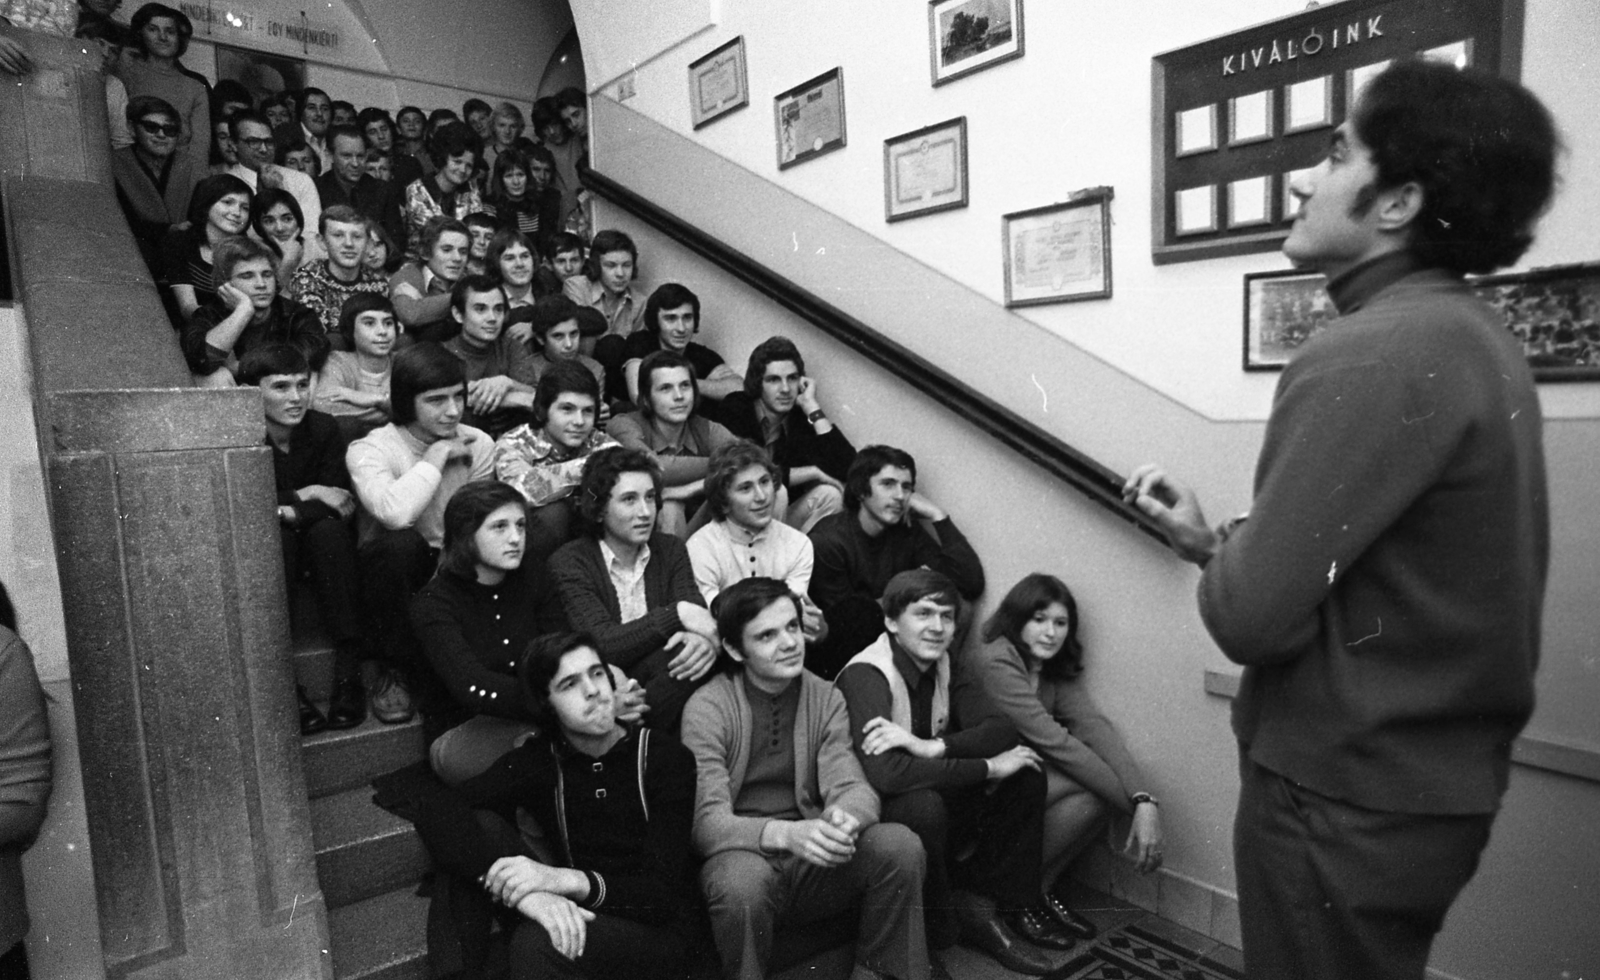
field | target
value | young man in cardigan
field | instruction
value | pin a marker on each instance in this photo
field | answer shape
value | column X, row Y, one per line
column 1385, row 593
column 783, row 815
column 950, row 767
column 632, row 586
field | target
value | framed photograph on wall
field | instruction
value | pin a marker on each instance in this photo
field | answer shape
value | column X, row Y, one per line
column 966, row 36
column 810, row 119
column 719, row 83
column 925, row 171
column 1281, row 312
column 1555, row 313
column 1060, row 252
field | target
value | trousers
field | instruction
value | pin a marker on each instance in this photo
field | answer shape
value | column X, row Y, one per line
column 1333, row 891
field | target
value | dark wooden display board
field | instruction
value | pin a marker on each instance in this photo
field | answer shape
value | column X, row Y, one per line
column 1271, row 96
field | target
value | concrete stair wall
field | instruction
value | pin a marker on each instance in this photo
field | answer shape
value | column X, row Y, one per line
column 369, row 862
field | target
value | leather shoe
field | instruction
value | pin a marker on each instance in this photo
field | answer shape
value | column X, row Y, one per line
column 311, row 720
column 1039, row 927
column 1071, row 921
column 348, row 708
column 983, row 931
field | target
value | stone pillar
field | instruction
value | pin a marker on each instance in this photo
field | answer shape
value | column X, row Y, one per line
column 178, row 638
column 164, row 517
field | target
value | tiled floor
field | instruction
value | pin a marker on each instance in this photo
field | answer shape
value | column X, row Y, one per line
column 1133, row 945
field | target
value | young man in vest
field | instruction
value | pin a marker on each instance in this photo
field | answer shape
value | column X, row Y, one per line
column 1385, row 593
column 783, row 816
column 949, row 766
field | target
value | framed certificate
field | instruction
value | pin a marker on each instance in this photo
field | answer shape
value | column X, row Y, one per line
column 810, row 119
column 1060, row 252
column 925, row 171
column 966, row 36
column 718, row 83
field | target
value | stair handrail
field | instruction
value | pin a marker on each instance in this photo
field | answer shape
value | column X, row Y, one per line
column 1094, row 480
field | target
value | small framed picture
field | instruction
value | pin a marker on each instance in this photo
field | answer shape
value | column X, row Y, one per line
column 1249, row 202
column 1282, row 310
column 1195, row 210
column 1060, row 252
column 925, row 171
column 1310, row 105
column 810, row 119
column 718, row 83
column 966, row 36
column 1555, row 313
column 1458, row 53
column 1250, row 118
column 1196, row 130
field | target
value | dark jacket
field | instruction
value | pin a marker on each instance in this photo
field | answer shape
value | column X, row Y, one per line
column 591, row 600
column 287, row 322
column 798, row 443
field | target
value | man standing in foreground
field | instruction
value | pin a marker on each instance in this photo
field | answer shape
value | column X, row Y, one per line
column 1385, row 593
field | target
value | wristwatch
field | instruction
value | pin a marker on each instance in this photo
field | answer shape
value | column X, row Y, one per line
column 816, row 416
column 1138, row 798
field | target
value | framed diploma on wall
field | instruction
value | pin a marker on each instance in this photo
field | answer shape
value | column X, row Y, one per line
column 925, row 171
column 718, row 83
column 1060, row 252
column 810, row 119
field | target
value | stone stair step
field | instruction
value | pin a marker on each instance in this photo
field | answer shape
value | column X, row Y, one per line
column 363, row 850
column 381, row 938
column 336, row 761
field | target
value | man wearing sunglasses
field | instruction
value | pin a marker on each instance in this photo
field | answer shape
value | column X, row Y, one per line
column 153, row 180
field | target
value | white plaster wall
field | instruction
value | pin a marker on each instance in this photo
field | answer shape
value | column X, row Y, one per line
column 1072, row 113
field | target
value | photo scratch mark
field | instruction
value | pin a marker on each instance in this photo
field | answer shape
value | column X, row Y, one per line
column 1356, row 643
column 1333, row 570
column 293, row 908
column 1044, row 396
column 796, row 239
column 1420, row 418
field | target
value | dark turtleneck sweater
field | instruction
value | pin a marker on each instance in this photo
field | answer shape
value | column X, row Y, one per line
column 1385, row 594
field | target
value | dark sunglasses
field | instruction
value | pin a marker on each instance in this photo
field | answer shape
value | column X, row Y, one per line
column 160, row 129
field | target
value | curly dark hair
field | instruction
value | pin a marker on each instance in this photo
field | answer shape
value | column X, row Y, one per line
column 1482, row 148
column 451, row 139
column 600, row 476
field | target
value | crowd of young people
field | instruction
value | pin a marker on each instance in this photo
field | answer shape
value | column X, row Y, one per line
column 572, row 553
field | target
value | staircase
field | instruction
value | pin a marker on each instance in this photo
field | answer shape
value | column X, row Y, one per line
column 369, row 862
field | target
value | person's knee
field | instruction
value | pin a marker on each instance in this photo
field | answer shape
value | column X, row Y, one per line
column 738, row 882
column 893, row 845
column 922, row 811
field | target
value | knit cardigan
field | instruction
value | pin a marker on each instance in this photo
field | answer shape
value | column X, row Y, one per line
column 716, row 728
